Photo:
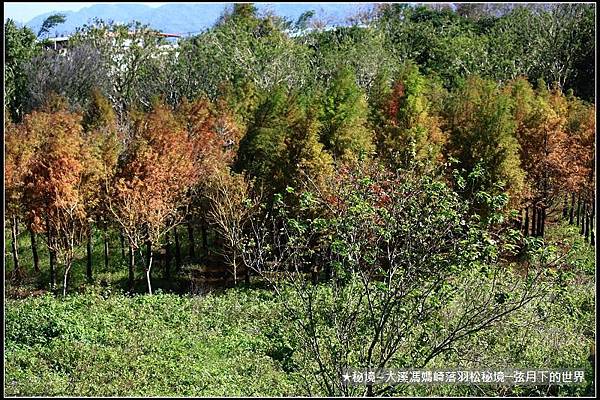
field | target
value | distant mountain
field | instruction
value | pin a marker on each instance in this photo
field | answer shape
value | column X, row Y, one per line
column 188, row 17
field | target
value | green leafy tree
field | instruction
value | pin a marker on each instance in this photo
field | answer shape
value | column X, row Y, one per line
column 397, row 251
column 344, row 119
column 407, row 131
column 481, row 128
column 282, row 141
column 130, row 56
column 51, row 22
column 240, row 48
column 20, row 47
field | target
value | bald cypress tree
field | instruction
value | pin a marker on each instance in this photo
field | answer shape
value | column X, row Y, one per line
column 345, row 131
column 406, row 129
column 282, row 141
column 481, row 126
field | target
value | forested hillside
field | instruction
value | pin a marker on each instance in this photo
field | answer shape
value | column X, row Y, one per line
column 255, row 209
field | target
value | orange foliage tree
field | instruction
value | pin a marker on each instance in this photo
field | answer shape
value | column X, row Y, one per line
column 19, row 148
column 152, row 182
column 215, row 134
column 53, row 183
column 555, row 134
column 102, row 147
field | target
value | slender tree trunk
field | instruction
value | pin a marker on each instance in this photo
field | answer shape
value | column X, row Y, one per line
column 177, row 250
column 52, row 256
column 167, row 256
column 204, row 238
column 88, row 269
column 565, row 206
column 572, row 210
column 592, row 225
column 34, row 251
column 15, row 247
column 582, row 224
column 190, row 229
column 234, row 272
column 148, row 250
column 149, row 266
column 578, row 207
column 584, row 221
column 131, row 267
column 66, row 276
column 122, row 243
column 534, row 222
column 52, row 269
column 106, row 259
column 586, row 229
column 543, row 222
column 526, row 230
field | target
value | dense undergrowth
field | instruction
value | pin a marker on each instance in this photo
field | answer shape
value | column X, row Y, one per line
column 102, row 342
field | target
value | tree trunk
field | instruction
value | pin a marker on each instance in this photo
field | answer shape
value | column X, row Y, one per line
column 149, row 266
column 148, row 250
column 585, row 225
column 52, row 256
column 526, row 230
column 15, row 247
column 543, row 222
column 204, row 238
column 167, row 256
column 572, row 210
column 177, row 250
column 67, row 268
column 34, row 251
column 88, row 270
column 234, row 271
column 122, row 244
column 52, row 269
column 586, row 229
column 106, row 259
column 565, row 207
column 131, row 267
column 534, row 222
column 192, row 252
column 582, row 218
column 578, row 207
column 592, row 225
column 247, row 276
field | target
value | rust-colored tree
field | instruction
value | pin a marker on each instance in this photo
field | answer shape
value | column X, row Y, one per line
column 17, row 153
column 102, row 147
column 580, row 159
column 152, row 182
column 53, row 184
column 554, row 133
column 215, row 135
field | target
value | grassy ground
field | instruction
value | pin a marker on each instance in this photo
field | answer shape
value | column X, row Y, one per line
column 99, row 342
column 162, row 345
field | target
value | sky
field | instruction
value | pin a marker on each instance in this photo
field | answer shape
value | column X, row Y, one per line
column 23, row 12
